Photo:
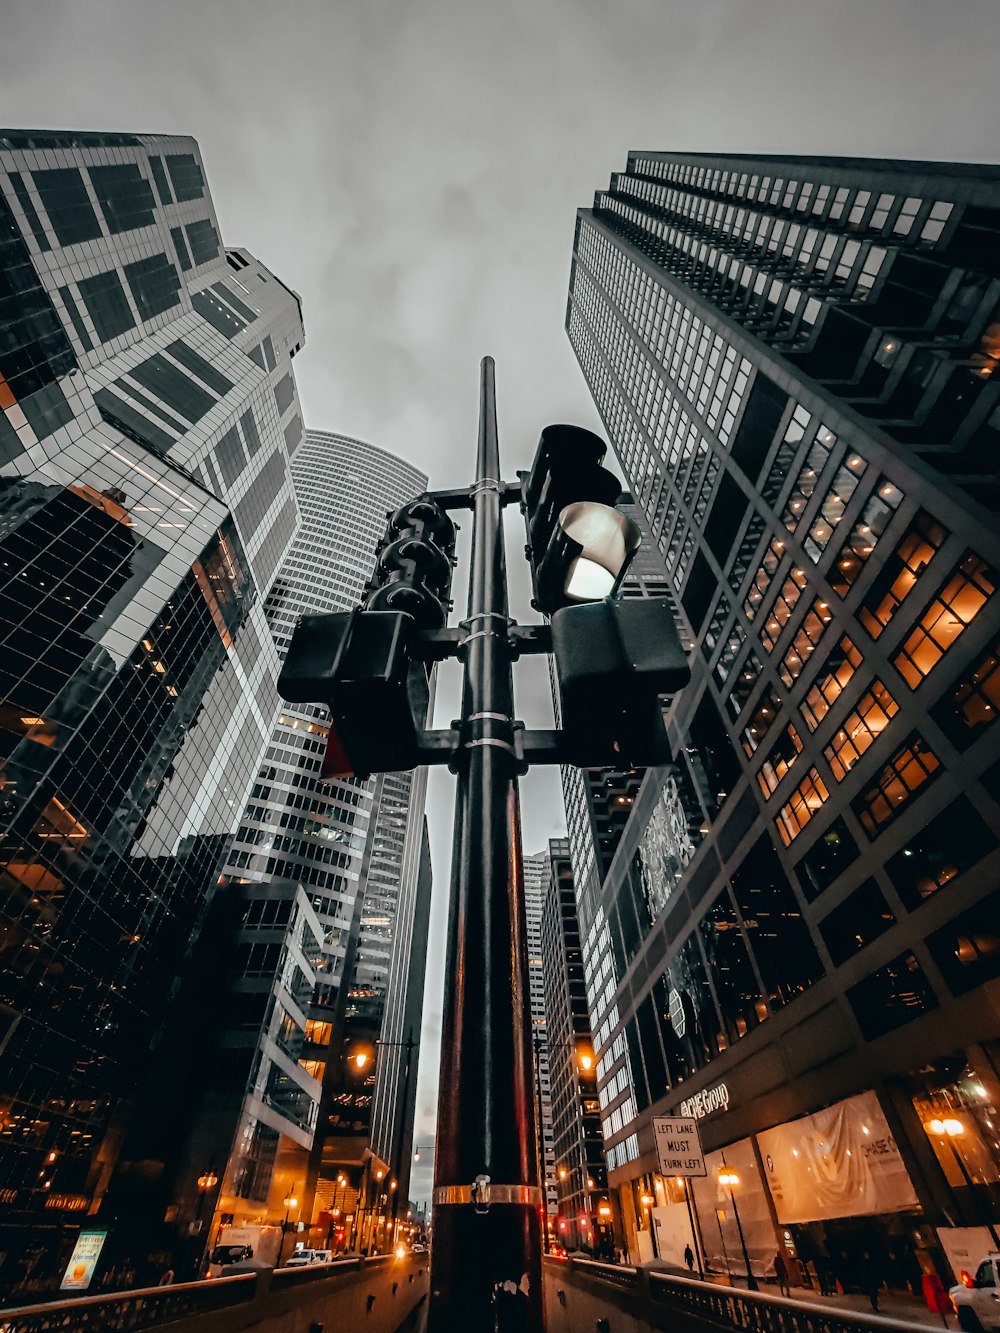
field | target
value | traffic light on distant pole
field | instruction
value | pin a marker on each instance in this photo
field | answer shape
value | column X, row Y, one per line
column 614, row 660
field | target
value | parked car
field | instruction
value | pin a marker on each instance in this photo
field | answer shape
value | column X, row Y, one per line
column 303, row 1258
column 977, row 1297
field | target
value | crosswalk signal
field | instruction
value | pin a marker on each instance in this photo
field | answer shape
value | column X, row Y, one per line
column 614, row 659
column 579, row 545
column 361, row 663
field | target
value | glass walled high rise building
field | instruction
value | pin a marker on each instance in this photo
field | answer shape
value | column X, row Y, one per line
column 797, row 928
column 289, row 1109
column 147, row 413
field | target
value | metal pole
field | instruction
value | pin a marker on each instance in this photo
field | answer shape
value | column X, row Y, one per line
column 695, row 1231
column 486, row 1264
column 751, row 1280
column 402, row 1130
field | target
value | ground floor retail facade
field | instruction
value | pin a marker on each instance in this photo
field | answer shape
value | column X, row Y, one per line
column 899, row 1174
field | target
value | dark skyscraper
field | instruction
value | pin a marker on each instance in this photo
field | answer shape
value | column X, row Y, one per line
column 795, row 935
column 147, row 414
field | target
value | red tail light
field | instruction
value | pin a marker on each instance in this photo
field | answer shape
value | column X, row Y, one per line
column 966, row 1279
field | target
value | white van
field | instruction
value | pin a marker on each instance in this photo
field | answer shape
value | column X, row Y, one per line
column 977, row 1297
column 303, row 1258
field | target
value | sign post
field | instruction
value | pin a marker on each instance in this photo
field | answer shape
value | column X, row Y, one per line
column 679, row 1153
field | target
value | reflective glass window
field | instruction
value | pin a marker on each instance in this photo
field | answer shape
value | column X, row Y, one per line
column 775, row 927
column 124, row 195
column 967, row 950
column 160, row 179
column 67, row 203
column 181, row 248
column 892, row 996
column 203, row 241
column 973, row 703
column 30, row 212
column 107, row 305
column 155, row 285
column 186, row 177
column 862, row 917
column 869, row 528
column 168, row 383
column 935, row 855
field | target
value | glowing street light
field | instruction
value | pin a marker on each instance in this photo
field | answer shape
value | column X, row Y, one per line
column 948, row 1130
column 730, row 1179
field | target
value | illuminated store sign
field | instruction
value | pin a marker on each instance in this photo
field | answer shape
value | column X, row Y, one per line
column 706, row 1102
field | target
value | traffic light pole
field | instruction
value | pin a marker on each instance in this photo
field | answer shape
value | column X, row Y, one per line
column 486, row 1261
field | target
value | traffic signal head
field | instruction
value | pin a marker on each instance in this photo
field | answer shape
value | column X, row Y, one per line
column 579, row 546
column 359, row 663
column 413, row 571
column 613, row 661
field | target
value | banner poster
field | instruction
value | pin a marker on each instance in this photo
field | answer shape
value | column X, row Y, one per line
column 83, row 1260
column 839, row 1162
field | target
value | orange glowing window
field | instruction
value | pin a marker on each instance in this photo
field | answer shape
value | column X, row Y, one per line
column 896, row 785
column 955, row 607
column 841, row 666
column 806, row 801
column 862, row 727
column 904, row 567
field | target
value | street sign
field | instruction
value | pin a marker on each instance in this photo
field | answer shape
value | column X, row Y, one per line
column 678, row 1147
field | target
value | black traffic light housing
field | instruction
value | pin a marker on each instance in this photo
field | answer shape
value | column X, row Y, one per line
column 414, row 566
column 360, row 664
column 614, row 659
column 563, row 495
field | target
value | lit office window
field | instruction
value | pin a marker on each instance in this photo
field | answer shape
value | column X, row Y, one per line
column 806, row 802
column 862, row 727
column 896, row 785
column 904, row 567
column 840, row 667
column 956, row 606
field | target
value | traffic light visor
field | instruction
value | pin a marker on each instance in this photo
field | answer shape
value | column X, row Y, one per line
column 607, row 540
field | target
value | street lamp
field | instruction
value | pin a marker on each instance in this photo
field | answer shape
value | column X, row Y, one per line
column 948, row 1130
column 290, row 1201
column 206, row 1181
column 361, row 1058
column 729, row 1178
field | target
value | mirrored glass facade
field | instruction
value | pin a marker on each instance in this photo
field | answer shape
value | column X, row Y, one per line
column 794, row 360
column 136, row 668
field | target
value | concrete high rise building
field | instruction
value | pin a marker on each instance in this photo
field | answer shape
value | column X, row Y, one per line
column 537, row 877
column 795, row 939
column 147, row 413
column 574, row 1110
column 303, row 1120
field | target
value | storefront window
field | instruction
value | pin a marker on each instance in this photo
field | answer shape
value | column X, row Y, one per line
column 952, row 1089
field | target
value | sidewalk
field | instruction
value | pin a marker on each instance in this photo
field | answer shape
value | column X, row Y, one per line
column 893, row 1305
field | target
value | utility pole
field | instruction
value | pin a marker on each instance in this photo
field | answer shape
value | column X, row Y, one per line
column 614, row 659
column 487, row 1196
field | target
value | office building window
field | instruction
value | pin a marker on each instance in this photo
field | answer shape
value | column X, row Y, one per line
column 67, row 203
column 230, row 457
column 124, row 196
column 737, row 989
column 73, row 310
column 205, row 371
column 30, row 212
column 780, row 760
column 805, row 642
column 892, row 996
column 284, row 394
column 935, row 855
column 218, row 315
column 910, row 768
column 967, row 950
column 163, row 379
column 840, row 666
column 862, row 727
column 203, row 241
column 155, row 285
column 107, row 305
column 973, row 703
column 874, row 520
column 160, row 179
column 809, row 473
column 181, row 248
column 761, row 720
column 781, row 611
column 899, row 577
column 186, row 177
column 827, row 859
column 831, row 510
column 860, row 918
column 804, row 804
column 772, row 918
column 956, row 606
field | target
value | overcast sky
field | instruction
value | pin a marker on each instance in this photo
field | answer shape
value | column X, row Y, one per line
column 413, row 170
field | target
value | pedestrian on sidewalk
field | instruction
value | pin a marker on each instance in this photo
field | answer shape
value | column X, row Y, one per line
column 781, row 1273
column 689, row 1258
column 871, row 1281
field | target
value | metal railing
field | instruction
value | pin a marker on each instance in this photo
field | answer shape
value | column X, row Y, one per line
column 657, row 1297
column 130, row 1310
